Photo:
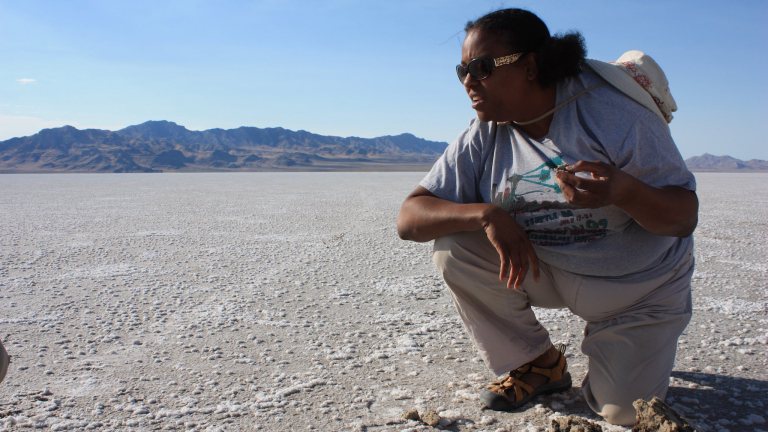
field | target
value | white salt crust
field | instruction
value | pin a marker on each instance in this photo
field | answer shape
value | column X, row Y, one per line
column 266, row 301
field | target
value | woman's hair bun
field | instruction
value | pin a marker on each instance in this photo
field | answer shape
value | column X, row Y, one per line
column 560, row 57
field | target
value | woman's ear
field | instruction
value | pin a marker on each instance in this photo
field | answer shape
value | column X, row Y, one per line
column 531, row 68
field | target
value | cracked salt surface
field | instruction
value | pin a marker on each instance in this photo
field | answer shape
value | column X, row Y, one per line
column 285, row 301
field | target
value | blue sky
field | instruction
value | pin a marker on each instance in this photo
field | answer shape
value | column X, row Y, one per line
column 352, row 68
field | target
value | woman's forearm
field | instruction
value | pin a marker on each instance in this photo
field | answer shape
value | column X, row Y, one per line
column 424, row 217
column 669, row 211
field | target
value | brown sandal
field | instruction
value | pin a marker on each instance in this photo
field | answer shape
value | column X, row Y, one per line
column 512, row 392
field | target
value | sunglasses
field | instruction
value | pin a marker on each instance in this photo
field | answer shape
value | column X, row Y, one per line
column 480, row 68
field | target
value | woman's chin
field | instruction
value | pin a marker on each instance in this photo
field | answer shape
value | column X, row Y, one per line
column 485, row 116
column 491, row 116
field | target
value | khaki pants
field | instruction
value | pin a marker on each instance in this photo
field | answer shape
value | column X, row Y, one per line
column 631, row 332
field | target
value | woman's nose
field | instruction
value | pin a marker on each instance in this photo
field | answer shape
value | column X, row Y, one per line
column 467, row 81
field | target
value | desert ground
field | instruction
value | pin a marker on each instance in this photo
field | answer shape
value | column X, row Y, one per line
column 286, row 301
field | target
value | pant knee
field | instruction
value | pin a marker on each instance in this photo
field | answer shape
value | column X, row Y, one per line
column 456, row 247
column 622, row 415
column 441, row 254
column 615, row 410
column 613, row 399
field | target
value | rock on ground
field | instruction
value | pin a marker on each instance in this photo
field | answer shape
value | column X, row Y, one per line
column 656, row 416
column 573, row 423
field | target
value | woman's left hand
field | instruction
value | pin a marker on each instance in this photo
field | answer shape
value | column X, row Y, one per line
column 608, row 185
column 667, row 211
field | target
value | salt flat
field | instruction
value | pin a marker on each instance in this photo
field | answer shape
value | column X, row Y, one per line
column 285, row 301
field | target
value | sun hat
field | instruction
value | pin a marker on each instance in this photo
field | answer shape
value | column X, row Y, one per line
column 638, row 76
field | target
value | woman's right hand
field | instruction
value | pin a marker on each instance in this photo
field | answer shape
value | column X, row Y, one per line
column 516, row 253
column 424, row 217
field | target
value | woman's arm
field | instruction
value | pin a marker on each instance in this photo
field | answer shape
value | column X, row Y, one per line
column 424, row 217
column 668, row 211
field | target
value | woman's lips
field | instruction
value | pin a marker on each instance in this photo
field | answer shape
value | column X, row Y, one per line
column 476, row 101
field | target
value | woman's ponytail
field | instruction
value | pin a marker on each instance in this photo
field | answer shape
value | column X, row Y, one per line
column 561, row 56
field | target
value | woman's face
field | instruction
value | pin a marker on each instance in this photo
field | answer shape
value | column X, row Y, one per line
column 502, row 95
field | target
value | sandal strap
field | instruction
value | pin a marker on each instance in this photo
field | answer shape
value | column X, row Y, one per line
column 515, row 383
column 554, row 372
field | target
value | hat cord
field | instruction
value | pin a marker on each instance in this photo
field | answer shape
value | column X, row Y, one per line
column 558, row 106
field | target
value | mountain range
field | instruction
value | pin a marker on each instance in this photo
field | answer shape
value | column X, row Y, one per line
column 708, row 162
column 156, row 146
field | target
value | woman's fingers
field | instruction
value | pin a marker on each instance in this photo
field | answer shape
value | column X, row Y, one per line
column 504, row 261
column 584, row 192
column 519, row 268
column 512, row 269
column 519, row 274
column 516, row 254
column 598, row 169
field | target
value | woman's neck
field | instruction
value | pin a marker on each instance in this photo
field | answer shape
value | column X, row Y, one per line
column 540, row 106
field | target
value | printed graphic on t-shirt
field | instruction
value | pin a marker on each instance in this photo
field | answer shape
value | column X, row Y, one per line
column 535, row 200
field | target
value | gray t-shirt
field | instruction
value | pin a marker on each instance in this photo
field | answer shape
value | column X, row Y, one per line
column 500, row 164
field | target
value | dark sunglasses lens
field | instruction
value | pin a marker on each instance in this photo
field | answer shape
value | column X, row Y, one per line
column 461, row 72
column 480, row 68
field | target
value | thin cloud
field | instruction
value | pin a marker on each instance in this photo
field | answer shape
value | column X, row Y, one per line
column 25, row 81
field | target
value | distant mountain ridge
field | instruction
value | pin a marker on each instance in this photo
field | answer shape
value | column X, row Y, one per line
column 708, row 162
column 156, row 146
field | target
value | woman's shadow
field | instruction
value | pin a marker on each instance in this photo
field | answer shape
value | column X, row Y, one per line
column 709, row 402
column 714, row 402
